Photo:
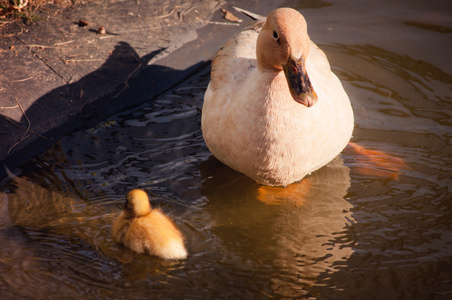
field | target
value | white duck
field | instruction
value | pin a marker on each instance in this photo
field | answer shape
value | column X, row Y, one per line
column 263, row 115
column 146, row 230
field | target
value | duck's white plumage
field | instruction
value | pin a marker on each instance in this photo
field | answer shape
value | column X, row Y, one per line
column 250, row 120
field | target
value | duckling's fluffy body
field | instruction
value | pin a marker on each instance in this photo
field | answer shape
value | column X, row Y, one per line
column 146, row 230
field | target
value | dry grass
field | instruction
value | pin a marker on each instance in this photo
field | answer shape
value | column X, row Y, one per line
column 27, row 10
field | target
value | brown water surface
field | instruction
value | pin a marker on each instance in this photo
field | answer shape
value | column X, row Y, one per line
column 365, row 226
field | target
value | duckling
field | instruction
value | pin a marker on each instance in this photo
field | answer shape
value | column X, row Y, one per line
column 146, row 230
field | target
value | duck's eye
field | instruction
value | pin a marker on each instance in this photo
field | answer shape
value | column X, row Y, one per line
column 275, row 35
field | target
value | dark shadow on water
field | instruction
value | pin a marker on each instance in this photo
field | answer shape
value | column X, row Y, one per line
column 124, row 80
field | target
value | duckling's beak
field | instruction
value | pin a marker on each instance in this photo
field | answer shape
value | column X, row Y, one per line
column 299, row 84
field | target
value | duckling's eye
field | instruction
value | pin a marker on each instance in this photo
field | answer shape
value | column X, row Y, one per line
column 275, row 35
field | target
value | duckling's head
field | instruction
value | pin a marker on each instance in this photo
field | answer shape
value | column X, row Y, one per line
column 137, row 204
column 283, row 45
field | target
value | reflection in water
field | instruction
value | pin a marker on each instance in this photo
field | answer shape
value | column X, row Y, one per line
column 33, row 206
column 396, row 92
column 300, row 238
column 402, row 239
column 341, row 233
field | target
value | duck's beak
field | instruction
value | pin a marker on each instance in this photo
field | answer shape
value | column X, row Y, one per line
column 299, row 84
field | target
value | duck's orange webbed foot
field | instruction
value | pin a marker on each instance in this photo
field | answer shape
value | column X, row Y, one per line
column 375, row 163
column 294, row 193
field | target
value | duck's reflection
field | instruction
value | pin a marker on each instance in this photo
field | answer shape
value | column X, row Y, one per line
column 299, row 232
column 31, row 205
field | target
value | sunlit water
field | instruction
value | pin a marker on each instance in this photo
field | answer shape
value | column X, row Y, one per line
column 355, row 229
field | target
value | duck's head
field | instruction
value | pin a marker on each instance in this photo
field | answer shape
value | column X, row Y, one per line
column 137, row 204
column 283, row 44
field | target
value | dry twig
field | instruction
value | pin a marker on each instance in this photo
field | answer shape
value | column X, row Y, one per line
column 22, row 80
column 21, row 128
column 26, row 130
column 168, row 14
column 126, row 84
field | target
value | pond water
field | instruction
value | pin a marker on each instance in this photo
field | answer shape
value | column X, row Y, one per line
column 374, row 223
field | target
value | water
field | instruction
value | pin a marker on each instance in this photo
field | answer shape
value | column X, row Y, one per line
column 362, row 227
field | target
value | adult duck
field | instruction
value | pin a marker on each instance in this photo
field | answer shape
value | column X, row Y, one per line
column 273, row 110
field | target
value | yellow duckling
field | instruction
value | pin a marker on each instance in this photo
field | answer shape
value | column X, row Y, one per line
column 146, row 230
column 273, row 109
